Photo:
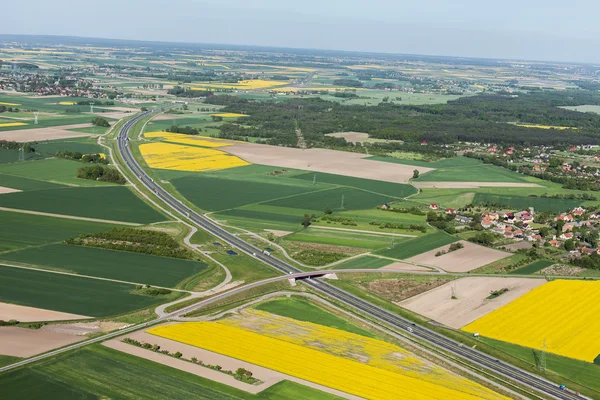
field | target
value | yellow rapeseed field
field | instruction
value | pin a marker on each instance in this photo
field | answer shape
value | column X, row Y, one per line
column 11, row 124
column 313, row 364
column 187, row 158
column 9, row 104
column 564, row 313
column 66, row 103
column 242, row 85
column 229, row 115
column 181, row 138
column 545, row 126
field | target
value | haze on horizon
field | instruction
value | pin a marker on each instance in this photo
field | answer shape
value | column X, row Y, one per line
column 528, row 30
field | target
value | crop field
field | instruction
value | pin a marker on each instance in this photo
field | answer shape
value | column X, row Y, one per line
column 336, row 199
column 55, row 170
column 257, row 217
column 214, row 193
column 241, row 85
column 71, row 294
column 187, row 158
column 481, row 173
column 120, row 265
column 83, row 374
column 524, row 202
column 531, row 320
column 341, row 238
column 229, row 115
column 278, row 348
column 413, row 247
column 26, row 184
column 385, row 188
column 12, row 124
column 301, row 309
column 23, row 230
column 532, row 268
column 82, row 145
column 11, row 156
column 180, row 138
column 110, row 202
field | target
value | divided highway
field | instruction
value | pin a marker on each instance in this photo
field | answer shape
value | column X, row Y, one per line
column 471, row 355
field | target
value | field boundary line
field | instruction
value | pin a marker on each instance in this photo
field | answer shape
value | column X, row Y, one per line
column 63, row 216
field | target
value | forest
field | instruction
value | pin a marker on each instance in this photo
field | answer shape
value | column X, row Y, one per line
column 484, row 118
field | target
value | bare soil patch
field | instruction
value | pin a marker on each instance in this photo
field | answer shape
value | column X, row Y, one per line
column 351, row 137
column 469, row 185
column 518, row 246
column 470, row 257
column 4, row 190
column 562, row 270
column 396, row 290
column 323, row 160
column 278, row 233
column 22, row 342
column 470, row 303
column 41, row 134
column 83, row 328
column 401, row 266
column 31, row 314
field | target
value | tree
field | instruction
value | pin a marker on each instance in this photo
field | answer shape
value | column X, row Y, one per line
column 306, row 220
column 243, row 372
column 99, row 121
column 177, row 355
column 415, row 174
column 570, row 245
column 328, row 211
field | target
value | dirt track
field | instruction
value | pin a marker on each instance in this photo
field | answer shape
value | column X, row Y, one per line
column 4, row 190
column 323, row 160
column 470, row 303
column 351, row 137
column 470, row 257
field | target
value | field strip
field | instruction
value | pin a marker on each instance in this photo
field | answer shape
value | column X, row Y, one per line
column 107, row 221
column 471, row 185
column 51, row 271
column 268, row 377
column 360, row 231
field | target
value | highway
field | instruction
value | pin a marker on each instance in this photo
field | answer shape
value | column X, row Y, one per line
column 386, row 317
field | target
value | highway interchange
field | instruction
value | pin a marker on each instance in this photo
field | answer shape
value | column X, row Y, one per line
column 386, row 318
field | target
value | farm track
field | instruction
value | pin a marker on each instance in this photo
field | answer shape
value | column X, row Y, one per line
column 485, row 363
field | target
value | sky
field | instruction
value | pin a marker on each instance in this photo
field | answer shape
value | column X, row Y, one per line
column 526, row 29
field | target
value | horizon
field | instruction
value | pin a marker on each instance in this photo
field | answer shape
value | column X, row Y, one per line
column 535, row 30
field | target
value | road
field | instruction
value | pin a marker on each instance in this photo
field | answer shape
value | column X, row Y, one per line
column 385, row 317
column 471, row 355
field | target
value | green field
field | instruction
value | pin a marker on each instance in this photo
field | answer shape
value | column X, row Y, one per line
column 336, row 199
column 97, row 372
column 82, row 145
column 533, row 267
column 11, row 156
column 54, row 170
column 303, row 309
column 20, row 183
column 480, row 173
column 111, row 264
column 340, row 238
column 524, row 202
column 110, row 202
column 385, row 188
column 213, row 194
column 244, row 268
column 366, row 262
column 71, row 294
column 292, row 218
column 19, row 230
column 413, row 247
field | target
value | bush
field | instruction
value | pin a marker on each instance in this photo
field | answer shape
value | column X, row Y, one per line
column 99, row 121
column 100, row 173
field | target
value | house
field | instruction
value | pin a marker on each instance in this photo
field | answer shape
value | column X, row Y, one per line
column 567, row 227
column 566, row 236
column 508, row 232
column 463, row 220
column 486, row 223
column 518, row 234
column 450, row 211
column 565, row 217
column 554, row 243
column 497, row 230
column 595, row 215
column 588, row 251
column 424, row 143
column 433, row 206
column 385, row 207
